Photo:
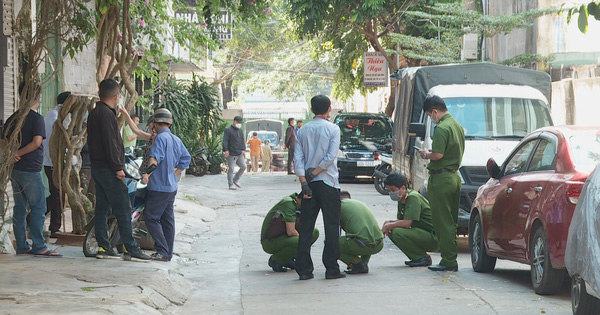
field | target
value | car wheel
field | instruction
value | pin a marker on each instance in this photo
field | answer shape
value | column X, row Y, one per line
column 480, row 260
column 545, row 279
column 378, row 182
column 582, row 302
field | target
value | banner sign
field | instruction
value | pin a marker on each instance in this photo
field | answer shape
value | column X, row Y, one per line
column 375, row 70
column 223, row 22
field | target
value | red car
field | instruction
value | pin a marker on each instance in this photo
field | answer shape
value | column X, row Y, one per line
column 523, row 212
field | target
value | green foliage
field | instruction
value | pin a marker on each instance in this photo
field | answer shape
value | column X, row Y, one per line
column 428, row 49
column 526, row 60
column 195, row 108
column 584, row 11
column 214, row 149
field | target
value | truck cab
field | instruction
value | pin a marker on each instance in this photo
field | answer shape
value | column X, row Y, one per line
column 495, row 118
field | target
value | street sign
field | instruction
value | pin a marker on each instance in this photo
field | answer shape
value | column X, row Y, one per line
column 375, row 70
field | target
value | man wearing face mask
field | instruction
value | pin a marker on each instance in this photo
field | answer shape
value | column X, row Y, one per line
column 444, row 185
column 234, row 147
column 412, row 231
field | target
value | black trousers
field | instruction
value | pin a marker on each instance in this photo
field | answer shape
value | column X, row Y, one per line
column 111, row 195
column 290, row 163
column 326, row 199
column 53, row 202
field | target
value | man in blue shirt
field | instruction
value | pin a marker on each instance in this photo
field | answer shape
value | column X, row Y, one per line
column 168, row 154
column 315, row 164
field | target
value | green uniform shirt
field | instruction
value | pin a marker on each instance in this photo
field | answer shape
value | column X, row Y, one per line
column 128, row 132
column 286, row 207
column 416, row 208
column 449, row 140
column 357, row 220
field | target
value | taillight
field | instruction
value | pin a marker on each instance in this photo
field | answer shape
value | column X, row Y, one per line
column 574, row 191
column 376, row 156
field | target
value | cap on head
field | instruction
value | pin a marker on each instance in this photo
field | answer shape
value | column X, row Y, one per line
column 395, row 179
column 62, row 97
column 163, row 115
column 238, row 119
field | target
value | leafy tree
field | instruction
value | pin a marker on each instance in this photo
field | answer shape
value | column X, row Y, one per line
column 584, row 11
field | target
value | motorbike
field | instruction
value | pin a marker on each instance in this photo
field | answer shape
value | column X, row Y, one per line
column 382, row 171
column 137, row 193
column 199, row 163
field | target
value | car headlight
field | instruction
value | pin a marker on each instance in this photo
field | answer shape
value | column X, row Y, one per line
column 462, row 180
column 341, row 154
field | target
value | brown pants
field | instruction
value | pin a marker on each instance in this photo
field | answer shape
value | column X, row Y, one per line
column 254, row 162
column 266, row 166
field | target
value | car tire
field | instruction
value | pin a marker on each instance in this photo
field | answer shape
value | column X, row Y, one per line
column 545, row 279
column 582, row 302
column 480, row 260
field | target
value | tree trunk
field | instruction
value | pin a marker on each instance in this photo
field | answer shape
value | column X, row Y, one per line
column 65, row 151
column 227, row 91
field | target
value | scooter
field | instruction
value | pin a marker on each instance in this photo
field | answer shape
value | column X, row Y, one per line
column 382, row 171
column 199, row 163
column 137, row 193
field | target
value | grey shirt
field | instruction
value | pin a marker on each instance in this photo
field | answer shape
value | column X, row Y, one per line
column 233, row 141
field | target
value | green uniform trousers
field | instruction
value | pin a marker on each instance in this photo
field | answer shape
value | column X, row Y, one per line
column 352, row 253
column 444, row 198
column 414, row 242
column 283, row 248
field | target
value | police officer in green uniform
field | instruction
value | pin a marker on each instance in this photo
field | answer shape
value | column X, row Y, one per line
column 363, row 237
column 444, row 183
column 413, row 231
column 283, row 248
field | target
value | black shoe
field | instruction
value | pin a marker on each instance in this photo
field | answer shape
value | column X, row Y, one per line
column 137, row 254
column 306, row 277
column 159, row 257
column 291, row 264
column 277, row 267
column 421, row 262
column 441, row 267
column 338, row 275
column 361, row 267
column 53, row 234
column 408, row 262
column 107, row 253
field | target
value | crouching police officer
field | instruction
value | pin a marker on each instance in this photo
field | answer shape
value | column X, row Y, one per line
column 279, row 236
column 413, row 230
column 363, row 237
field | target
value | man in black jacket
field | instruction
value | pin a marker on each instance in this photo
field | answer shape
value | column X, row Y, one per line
column 290, row 142
column 108, row 162
column 234, row 147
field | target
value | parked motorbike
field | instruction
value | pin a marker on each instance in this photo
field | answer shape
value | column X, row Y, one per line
column 382, row 171
column 137, row 193
column 199, row 163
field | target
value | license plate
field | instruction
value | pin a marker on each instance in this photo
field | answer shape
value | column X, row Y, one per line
column 366, row 163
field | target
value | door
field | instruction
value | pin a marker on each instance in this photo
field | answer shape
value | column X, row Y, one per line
column 503, row 198
column 528, row 192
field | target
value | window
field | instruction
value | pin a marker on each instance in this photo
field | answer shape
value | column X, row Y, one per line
column 518, row 161
column 544, row 157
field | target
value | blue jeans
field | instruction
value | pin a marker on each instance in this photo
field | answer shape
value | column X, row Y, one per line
column 111, row 194
column 29, row 191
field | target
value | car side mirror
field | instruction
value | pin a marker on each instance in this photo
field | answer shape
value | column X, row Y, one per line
column 493, row 169
column 416, row 130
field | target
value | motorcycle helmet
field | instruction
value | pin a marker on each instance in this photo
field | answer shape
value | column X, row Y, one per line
column 163, row 115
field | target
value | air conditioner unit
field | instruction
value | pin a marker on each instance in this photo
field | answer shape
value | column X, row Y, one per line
column 469, row 47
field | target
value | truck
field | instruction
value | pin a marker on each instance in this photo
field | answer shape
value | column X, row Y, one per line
column 496, row 105
column 272, row 130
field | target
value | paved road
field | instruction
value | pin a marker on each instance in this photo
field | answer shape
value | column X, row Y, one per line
column 220, row 268
column 232, row 276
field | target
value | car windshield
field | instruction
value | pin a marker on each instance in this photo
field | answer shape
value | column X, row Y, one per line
column 586, row 150
column 498, row 117
column 272, row 137
column 363, row 132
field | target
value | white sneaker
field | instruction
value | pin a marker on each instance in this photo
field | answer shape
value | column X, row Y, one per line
column 237, row 184
column 232, row 187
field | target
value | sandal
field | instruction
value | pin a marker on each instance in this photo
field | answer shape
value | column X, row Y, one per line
column 49, row 253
